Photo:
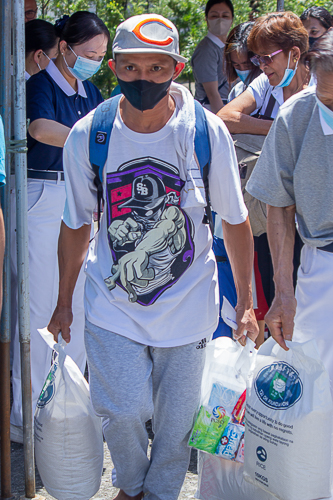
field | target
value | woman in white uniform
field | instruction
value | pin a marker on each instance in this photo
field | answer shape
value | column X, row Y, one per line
column 238, row 59
column 279, row 40
column 56, row 99
column 41, row 45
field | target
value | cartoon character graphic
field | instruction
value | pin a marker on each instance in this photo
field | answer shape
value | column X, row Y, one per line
column 153, row 236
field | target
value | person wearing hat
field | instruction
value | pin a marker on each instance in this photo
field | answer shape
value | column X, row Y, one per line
column 151, row 220
column 151, row 297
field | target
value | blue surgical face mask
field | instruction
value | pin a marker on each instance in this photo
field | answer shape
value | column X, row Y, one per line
column 83, row 68
column 326, row 112
column 243, row 74
column 288, row 75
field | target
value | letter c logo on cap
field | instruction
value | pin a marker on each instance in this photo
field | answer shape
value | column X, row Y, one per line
column 140, row 36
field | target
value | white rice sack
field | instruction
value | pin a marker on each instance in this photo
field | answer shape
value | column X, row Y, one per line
column 68, row 433
column 288, row 438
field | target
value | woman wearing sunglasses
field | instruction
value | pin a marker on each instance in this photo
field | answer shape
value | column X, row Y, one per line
column 279, row 40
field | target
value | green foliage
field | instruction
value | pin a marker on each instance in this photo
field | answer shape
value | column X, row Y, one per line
column 297, row 6
column 187, row 15
column 242, row 11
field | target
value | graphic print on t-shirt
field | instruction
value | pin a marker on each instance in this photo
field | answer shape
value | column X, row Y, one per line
column 150, row 237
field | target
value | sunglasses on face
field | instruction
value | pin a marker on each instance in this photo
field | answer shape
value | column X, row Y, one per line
column 257, row 60
column 30, row 14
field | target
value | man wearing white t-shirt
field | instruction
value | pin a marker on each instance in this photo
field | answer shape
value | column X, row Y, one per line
column 151, row 295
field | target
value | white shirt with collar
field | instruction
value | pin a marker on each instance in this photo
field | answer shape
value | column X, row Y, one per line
column 327, row 130
column 262, row 90
column 215, row 40
column 61, row 81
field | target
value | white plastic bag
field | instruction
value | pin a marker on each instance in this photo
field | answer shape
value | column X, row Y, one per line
column 68, row 434
column 219, row 479
column 219, row 427
column 289, row 423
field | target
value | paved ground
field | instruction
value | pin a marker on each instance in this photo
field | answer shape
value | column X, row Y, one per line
column 106, row 491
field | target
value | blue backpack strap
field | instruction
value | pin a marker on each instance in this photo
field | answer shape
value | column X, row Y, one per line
column 201, row 138
column 227, row 288
column 100, row 134
column 202, row 149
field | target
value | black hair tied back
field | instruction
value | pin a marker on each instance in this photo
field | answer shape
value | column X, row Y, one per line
column 60, row 24
column 39, row 34
column 80, row 27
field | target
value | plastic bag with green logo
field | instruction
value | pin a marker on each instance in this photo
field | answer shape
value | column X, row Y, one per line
column 288, row 450
column 68, row 433
column 219, row 427
column 220, row 475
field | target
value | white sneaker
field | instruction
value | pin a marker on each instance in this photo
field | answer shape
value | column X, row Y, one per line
column 16, row 434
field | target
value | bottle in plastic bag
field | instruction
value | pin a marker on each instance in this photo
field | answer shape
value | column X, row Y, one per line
column 219, row 427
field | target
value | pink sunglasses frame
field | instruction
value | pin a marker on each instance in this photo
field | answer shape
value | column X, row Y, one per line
column 257, row 60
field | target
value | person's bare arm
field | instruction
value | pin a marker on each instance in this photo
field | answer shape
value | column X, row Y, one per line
column 236, row 113
column 49, row 132
column 72, row 249
column 238, row 241
column 212, row 91
column 281, row 238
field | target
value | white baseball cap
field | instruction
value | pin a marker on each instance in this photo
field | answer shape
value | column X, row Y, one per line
column 149, row 33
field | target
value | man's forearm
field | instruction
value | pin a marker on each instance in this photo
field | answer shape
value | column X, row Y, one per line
column 281, row 238
column 72, row 249
column 238, row 241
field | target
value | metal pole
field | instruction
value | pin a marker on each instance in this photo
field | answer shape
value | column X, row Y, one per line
column 280, row 5
column 5, row 319
column 5, row 416
column 20, row 134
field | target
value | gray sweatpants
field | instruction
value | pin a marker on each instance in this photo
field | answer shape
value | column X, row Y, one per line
column 131, row 383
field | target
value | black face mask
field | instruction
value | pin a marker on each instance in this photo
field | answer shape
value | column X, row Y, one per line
column 142, row 94
column 312, row 40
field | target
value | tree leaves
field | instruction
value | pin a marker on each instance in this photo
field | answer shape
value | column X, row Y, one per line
column 187, row 15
